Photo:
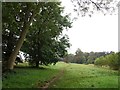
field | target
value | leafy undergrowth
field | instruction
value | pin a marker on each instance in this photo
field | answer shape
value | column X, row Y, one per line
column 87, row 76
column 26, row 77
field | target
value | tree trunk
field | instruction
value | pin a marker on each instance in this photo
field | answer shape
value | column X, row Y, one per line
column 13, row 55
column 37, row 63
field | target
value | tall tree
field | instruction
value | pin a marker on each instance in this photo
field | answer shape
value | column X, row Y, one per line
column 18, row 18
column 44, row 38
column 23, row 16
column 79, row 57
column 10, row 32
column 29, row 15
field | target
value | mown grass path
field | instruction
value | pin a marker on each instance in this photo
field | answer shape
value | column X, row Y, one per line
column 87, row 76
column 54, row 79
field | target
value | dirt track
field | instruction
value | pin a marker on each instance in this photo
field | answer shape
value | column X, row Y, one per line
column 51, row 81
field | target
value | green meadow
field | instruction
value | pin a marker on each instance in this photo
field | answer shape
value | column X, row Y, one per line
column 72, row 76
column 87, row 76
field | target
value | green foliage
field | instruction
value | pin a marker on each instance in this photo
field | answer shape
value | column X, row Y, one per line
column 84, row 57
column 9, row 32
column 69, row 58
column 13, row 17
column 10, row 29
column 101, row 61
column 45, row 43
column 112, row 60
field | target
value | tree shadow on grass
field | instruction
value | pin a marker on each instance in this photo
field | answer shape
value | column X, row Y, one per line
column 14, row 71
column 29, row 67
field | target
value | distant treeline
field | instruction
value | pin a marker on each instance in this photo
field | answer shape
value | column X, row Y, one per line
column 84, row 57
column 98, row 58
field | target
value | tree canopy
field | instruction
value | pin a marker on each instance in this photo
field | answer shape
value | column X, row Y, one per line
column 43, row 24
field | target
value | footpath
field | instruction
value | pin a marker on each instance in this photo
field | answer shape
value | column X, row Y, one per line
column 53, row 79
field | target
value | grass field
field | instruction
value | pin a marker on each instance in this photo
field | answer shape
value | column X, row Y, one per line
column 74, row 76
column 87, row 76
column 26, row 77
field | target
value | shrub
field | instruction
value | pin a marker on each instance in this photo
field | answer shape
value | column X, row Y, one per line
column 112, row 60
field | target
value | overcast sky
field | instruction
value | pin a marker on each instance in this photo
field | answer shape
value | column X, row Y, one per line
column 98, row 33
